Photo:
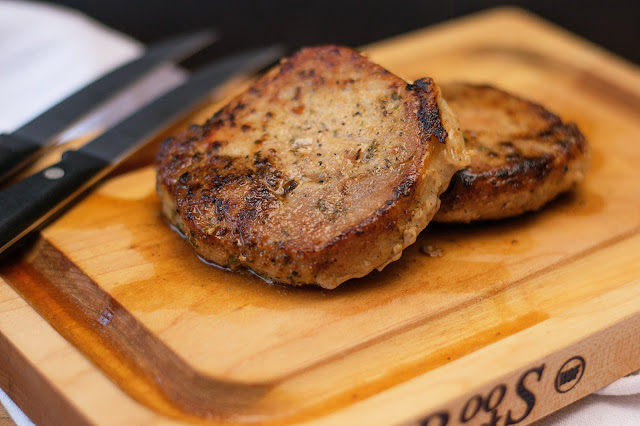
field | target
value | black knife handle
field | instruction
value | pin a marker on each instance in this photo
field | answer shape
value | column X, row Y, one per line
column 15, row 152
column 25, row 205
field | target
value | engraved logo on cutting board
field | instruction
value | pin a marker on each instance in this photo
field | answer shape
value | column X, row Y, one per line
column 569, row 374
column 486, row 409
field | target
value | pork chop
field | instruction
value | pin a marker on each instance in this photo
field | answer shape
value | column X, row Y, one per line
column 524, row 155
column 325, row 169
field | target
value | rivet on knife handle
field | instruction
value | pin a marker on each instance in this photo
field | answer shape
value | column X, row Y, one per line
column 32, row 200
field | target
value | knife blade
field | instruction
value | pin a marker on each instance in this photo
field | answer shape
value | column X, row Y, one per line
column 31, row 202
column 18, row 148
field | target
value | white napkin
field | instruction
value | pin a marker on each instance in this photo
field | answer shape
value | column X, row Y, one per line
column 49, row 52
column 629, row 385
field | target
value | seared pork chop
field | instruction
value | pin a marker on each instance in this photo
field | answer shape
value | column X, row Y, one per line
column 524, row 155
column 326, row 168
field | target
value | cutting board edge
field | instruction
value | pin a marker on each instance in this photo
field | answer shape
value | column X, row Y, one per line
column 458, row 383
column 70, row 397
column 48, row 378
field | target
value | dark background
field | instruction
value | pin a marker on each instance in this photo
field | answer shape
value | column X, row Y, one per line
column 614, row 25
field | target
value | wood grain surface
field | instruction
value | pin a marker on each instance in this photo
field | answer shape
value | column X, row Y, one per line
column 5, row 419
column 110, row 318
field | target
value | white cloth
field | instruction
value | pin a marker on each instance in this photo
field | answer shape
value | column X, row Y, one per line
column 40, row 41
column 629, row 385
column 48, row 53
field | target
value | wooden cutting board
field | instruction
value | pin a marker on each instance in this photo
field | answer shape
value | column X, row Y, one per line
column 111, row 318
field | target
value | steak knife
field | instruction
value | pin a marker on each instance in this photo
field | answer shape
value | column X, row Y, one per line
column 31, row 202
column 20, row 146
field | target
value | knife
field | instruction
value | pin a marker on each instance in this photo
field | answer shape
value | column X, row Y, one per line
column 18, row 148
column 31, row 202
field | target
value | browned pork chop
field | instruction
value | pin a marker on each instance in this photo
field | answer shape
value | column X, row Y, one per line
column 323, row 170
column 524, row 155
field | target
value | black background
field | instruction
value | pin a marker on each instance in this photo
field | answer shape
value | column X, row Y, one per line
column 614, row 25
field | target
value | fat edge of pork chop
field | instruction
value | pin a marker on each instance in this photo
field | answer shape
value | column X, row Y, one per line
column 325, row 169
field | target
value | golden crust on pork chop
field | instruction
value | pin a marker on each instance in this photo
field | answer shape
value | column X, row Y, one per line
column 524, row 155
column 326, row 168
